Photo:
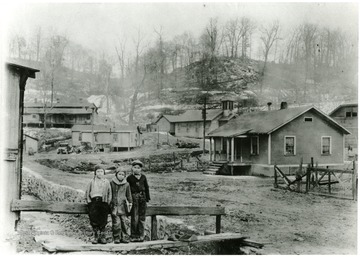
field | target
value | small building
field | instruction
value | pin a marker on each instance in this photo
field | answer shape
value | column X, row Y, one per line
column 105, row 137
column 31, row 144
column 347, row 116
column 61, row 115
column 191, row 122
column 166, row 123
column 256, row 141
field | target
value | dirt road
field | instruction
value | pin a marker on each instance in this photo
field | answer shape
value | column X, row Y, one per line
column 287, row 222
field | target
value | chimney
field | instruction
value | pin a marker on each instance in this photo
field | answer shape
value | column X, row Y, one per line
column 269, row 106
column 283, row 105
column 227, row 107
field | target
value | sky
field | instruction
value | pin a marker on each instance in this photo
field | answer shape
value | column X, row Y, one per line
column 98, row 25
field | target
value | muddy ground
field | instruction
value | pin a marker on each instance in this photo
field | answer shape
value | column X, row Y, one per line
column 286, row 222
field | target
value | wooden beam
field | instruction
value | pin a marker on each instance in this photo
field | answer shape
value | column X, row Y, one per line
column 59, row 246
column 210, row 150
column 232, row 149
column 269, row 149
column 332, row 170
column 81, row 208
column 287, row 181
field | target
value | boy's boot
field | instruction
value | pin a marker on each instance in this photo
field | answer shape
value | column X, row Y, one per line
column 116, row 240
column 96, row 237
column 102, row 239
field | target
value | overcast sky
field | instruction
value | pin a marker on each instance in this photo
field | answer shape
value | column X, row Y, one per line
column 97, row 25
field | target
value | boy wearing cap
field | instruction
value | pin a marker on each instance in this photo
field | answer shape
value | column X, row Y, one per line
column 140, row 196
column 98, row 198
column 121, row 196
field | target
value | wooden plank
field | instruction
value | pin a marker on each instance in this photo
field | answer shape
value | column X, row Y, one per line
column 58, row 246
column 153, row 227
column 287, row 181
column 81, row 208
column 327, row 182
column 332, row 170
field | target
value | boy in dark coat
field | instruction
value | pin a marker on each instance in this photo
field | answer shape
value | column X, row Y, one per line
column 140, row 196
column 121, row 197
column 98, row 198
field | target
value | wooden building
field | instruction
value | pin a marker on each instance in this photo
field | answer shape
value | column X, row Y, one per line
column 60, row 115
column 191, row 122
column 282, row 137
column 347, row 116
column 166, row 123
column 13, row 82
column 107, row 138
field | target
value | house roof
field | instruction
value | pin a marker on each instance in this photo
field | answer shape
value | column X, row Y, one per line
column 21, row 65
column 266, row 122
column 103, row 128
column 170, row 118
column 342, row 106
column 196, row 115
column 59, row 105
column 57, row 111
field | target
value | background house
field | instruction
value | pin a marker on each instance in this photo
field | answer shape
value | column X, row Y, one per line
column 166, row 123
column 60, row 115
column 259, row 140
column 105, row 137
column 191, row 122
column 347, row 116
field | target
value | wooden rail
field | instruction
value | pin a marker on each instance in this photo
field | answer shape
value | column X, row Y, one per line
column 81, row 208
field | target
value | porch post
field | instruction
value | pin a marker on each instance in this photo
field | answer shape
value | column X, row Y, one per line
column 227, row 149
column 210, row 149
column 214, row 148
column 232, row 149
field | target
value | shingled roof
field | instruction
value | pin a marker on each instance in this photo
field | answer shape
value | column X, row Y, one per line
column 103, row 128
column 196, row 115
column 266, row 122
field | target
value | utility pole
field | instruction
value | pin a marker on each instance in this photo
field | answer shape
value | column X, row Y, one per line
column 204, row 123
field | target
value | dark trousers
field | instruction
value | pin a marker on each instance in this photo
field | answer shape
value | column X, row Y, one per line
column 98, row 214
column 138, row 213
column 119, row 228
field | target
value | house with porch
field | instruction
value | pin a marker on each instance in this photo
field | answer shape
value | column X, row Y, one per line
column 107, row 138
column 347, row 116
column 254, row 142
column 191, row 122
column 61, row 115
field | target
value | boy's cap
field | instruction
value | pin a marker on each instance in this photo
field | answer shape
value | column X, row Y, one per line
column 98, row 167
column 137, row 162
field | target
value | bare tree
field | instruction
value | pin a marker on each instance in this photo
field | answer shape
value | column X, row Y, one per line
column 269, row 35
column 247, row 28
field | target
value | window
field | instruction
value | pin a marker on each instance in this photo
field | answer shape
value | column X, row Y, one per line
column 326, row 145
column 115, row 137
column 34, row 116
column 290, row 145
column 80, row 136
column 254, row 145
column 348, row 114
column 308, row 119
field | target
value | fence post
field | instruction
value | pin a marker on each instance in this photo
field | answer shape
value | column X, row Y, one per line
column 218, row 222
column 316, row 175
column 329, row 179
column 307, row 179
column 153, row 227
column 312, row 172
column 275, row 177
column 354, row 182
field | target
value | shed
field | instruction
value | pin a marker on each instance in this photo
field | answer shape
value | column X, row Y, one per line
column 166, row 123
column 31, row 144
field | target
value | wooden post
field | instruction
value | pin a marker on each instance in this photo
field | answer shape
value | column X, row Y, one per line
column 232, row 149
column 153, row 227
column 218, row 223
column 307, row 178
column 129, row 141
column 354, row 182
column 329, row 180
column 227, row 149
column 210, row 150
column 316, row 175
column 181, row 164
column 214, row 149
column 275, row 177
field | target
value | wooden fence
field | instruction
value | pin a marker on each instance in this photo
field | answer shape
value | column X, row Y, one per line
column 316, row 177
